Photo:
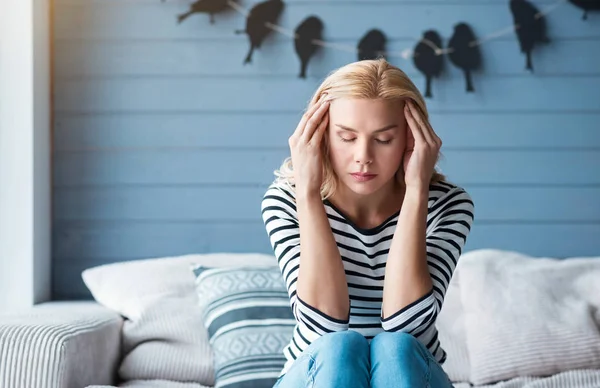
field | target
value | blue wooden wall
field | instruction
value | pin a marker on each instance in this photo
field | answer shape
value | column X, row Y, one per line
column 164, row 142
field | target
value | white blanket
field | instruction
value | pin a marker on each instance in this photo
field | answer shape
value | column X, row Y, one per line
column 571, row 379
column 528, row 316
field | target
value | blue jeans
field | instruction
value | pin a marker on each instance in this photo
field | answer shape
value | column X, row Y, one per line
column 346, row 359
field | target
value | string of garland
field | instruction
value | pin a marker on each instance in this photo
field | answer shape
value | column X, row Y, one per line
column 529, row 24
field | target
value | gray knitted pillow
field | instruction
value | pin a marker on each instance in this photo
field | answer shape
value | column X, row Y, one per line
column 247, row 314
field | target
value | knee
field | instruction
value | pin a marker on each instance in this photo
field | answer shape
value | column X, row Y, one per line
column 403, row 356
column 338, row 345
column 397, row 345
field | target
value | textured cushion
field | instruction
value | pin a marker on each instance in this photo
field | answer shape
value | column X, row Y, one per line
column 162, row 335
column 247, row 314
column 579, row 378
column 527, row 316
column 59, row 344
column 152, row 384
column 451, row 328
column 159, row 384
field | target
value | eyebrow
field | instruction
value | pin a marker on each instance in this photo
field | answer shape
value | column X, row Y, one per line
column 387, row 128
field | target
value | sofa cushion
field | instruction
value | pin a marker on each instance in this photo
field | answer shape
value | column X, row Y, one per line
column 528, row 316
column 163, row 336
column 247, row 314
column 452, row 332
column 152, row 384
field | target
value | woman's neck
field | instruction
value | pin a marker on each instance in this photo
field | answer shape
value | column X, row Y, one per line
column 368, row 210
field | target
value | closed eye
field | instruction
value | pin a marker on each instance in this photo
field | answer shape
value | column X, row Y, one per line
column 384, row 141
column 377, row 140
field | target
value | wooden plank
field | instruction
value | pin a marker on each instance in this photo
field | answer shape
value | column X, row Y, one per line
column 232, row 204
column 160, row 94
column 550, row 240
column 107, row 242
column 154, row 131
column 84, row 58
column 222, row 166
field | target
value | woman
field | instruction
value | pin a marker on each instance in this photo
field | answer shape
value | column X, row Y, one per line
column 366, row 233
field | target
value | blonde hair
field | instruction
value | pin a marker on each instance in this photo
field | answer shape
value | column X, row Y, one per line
column 366, row 79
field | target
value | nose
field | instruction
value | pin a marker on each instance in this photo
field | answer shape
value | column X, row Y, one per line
column 363, row 155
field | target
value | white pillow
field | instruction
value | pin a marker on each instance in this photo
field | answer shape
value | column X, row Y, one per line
column 451, row 330
column 163, row 336
column 527, row 316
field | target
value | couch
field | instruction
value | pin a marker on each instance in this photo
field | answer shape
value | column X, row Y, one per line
column 508, row 321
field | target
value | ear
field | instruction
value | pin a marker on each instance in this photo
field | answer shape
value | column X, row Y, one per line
column 400, row 174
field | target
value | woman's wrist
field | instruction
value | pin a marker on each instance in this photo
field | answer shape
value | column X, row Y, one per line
column 308, row 195
column 417, row 194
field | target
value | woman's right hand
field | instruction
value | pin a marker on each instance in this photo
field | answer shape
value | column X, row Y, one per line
column 305, row 147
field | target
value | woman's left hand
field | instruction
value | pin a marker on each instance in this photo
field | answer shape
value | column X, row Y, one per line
column 422, row 148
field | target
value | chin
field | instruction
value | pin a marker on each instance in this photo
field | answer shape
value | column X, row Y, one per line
column 363, row 188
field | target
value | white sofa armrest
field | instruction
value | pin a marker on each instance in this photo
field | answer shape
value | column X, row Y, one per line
column 60, row 345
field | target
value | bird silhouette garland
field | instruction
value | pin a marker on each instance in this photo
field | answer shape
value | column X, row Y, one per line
column 531, row 27
column 586, row 6
column 463, row 54
column 372, row 45
column 306, row 33
column 427, row 60
column 257, row 23
column 427, row 56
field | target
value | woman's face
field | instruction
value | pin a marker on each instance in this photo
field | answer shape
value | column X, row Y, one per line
column 366, row 136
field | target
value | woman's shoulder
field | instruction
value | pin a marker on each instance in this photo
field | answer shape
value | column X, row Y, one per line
column 441, row 189
column 446, row 198
column 279, row 202
column 279, row 189
column 280, row 195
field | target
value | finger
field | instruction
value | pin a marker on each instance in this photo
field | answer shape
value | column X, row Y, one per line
column 430, row 134
column 421, row 123
column 318, row 136
column 436, row 139
column 307, row 115
column 314, row 121
column 414, row 127
column 410, row 140
column 311, row 111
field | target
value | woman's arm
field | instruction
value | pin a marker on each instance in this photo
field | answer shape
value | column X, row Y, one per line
column 322, row 279
column 406, row 273
column 420, row 264
column 322, row 306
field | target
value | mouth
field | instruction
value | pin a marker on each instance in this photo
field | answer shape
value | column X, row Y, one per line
column 362, row 177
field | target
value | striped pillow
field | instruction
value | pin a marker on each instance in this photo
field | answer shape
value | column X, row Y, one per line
column 249, row 320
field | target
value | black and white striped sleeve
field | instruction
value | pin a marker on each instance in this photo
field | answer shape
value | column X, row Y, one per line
column 448, row 225
column 281, row 221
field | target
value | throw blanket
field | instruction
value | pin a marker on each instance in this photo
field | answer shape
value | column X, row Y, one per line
column 527, row 316
column 571, row 379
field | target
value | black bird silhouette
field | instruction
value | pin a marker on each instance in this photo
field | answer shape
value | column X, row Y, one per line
column 372, row 45
column 426, row 59
column 310, row 29
column 530, row 29
column 257, row 23
column 462, row 53
column 210, row 7
column 587, row 5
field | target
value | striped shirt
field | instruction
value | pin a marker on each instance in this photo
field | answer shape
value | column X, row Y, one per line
column 364, row 254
